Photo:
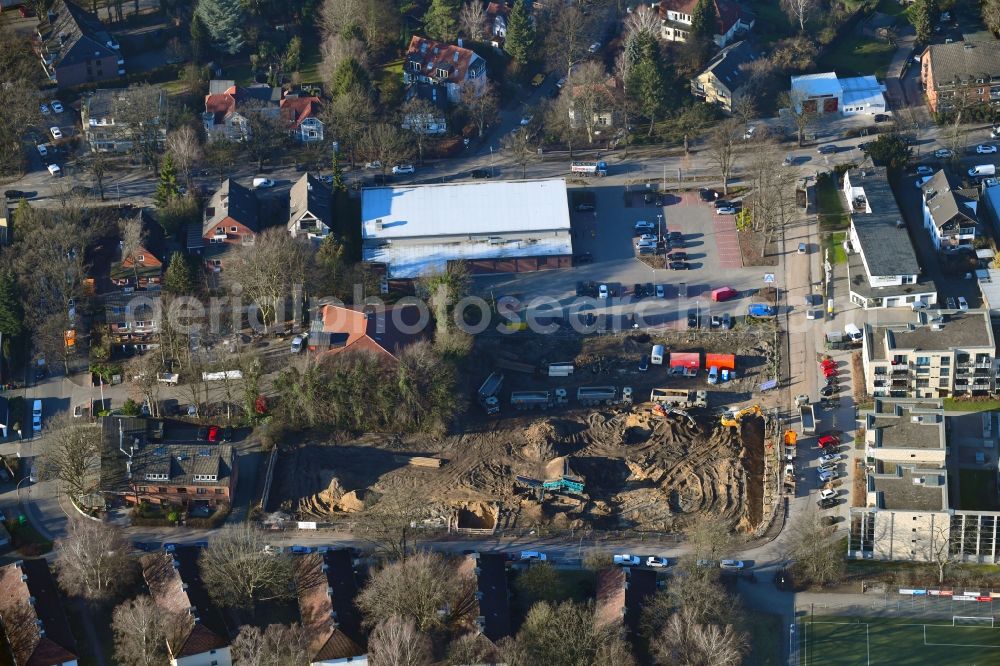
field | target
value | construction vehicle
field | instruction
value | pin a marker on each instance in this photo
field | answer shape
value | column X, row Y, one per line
column 682, row 398
column 732, row 419
column 522, row 400
column 488, row 393
column 663, row 412
column 807, row 419
column 567, row 485
column 607, row 395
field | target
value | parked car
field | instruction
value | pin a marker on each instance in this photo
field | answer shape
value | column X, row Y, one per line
column 732, row 564
column 881, row 118
column 828, row 390
column 985, row 149
column 262, row 183
column 374, row 164
column 595, row 47
column 825, row 476
column 528, row 555
column 55, row 132
column 721, row 203
column 950, row 303
column 678, row 265
column 678, row 256
column 56, row 106
column 827, row 149
column 526, row 119
column 727, row 321
column 942, row 153
column 660, row 291
column 962, row 303
column 537, row 79
column 827, row 503
column 44, row 108
column 692, row 318
column 728, row 210
column 749, row 133
column 402, row 169
column 829, row 458
column 602, row 291
column 715, row 321
column 54, row 170
column 657, row 562
column 644, row 364
column 15, row 194
column 924, row 170
column 828, row 440
column 627, row 560
column 298, row 344
column 642, row 227
column 827, row 493
column 707, row 194
column 480, row 173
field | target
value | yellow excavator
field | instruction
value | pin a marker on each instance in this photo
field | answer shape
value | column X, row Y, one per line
column 732, row 419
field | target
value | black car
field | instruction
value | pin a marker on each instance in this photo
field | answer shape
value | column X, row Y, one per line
column 480, row 173
column 828, row 390
column 203, row 434
column 826, row 150
column 707, row 194
column 644, row 364
column 678, row 265
column 649, row 290
column 584, row 258
column 678, row 256
column 647, row 197
column 722, row 203
column 727, row 321
column 675, row 235
column 692, row 318
column 659, row 200
column 881, row 118
column 227, row 434
column 637, row 291
column 827, row 503
column 16, row 194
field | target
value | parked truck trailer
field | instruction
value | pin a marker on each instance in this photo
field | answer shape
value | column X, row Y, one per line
column 524, row 400
column 607, row 395
column 488, row 393
column 599, row 168
column 807, row 419
column 679, row 397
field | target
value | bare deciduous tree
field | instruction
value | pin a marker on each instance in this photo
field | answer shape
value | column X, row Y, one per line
column 386, row 143
column 723, row 145
column 520, row 149
column 336, row 49
column 237, row 571
column 710, row 538
column 800, row 112
column 94, row 560
column 685, row 641
column 472, row 19
column 131, row 242
column 481, row 105
column 566, row 634
column 268, row 270
column 745, row 107
column 277, row 644
column 98, row 164
column 376, row 21
column 566, row 38
column 72, row 457
column 184, row 146
column 142, row 110
column 395, row 641
column 815, row 552
column 142, row 373
column 770, row 205
column 418, row 589
column 420, row 117
column 349, row 115
column 643, row 22
column 799, row 11
column 140, row 638
column 590, row 96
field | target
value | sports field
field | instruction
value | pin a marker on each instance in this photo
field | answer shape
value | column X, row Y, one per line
column 850, row 641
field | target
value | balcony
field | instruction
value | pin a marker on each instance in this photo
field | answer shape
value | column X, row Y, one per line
column 900, row 370
column 984, row 365
column 897, row 384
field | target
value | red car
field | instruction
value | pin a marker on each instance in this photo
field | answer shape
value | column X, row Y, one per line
column 24, row 11
column 213, row 434
column 829, row 363
column 830, row 372
column 828, row 440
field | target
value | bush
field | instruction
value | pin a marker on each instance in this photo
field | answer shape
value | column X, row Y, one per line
column 213, row 521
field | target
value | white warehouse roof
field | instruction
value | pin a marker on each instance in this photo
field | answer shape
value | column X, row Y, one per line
column 817, row 85
column 464, row 209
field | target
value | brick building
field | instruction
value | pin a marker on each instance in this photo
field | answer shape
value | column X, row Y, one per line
column 959, row 73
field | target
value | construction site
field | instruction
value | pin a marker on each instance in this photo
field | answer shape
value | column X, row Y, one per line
column 574, row 435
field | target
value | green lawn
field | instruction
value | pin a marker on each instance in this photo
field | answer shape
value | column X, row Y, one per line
column 978, row 489
column 835, row 244
column 959, row 405
column 849, row 641
column 767, row 640
column 832, row 215
column 890, row 7
column 858, row 55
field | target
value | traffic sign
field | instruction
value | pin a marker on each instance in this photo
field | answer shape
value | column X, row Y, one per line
column 768, row 278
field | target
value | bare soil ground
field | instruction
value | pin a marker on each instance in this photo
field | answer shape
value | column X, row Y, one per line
column 639, row 471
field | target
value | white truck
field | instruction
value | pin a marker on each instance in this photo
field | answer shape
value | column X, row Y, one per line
column 590, row 168
column 523, row 400
column 983, row 171
column 681, row 398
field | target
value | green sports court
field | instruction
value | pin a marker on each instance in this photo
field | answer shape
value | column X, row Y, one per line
column 853, row 641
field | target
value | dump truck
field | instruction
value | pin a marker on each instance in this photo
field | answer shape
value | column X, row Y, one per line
column 522, row 400
column 488, row 393
column 807, row 419
column 590, row 168
column 679, row 397
column 607, row 395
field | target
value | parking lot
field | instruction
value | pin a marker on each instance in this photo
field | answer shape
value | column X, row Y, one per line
column 607, row 236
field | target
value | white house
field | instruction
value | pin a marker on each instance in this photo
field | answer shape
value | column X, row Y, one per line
column 950, row 217
column 732, row 20
column 445, row 65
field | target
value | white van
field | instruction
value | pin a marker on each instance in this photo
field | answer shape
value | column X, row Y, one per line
column 853, row 332
column 36, row 416
column 656, row 358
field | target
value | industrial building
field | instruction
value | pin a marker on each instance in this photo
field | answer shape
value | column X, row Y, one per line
column 495, row 227
column 826, row 93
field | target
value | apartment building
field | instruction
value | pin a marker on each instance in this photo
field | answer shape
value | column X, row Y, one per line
column 951, row 354
column 908, row 515
column 443, row 66
column 75, row 48
column 961, row 73
column 104, row 117
column 881, row 263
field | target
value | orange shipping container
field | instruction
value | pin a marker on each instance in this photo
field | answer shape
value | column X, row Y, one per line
column 720, row 361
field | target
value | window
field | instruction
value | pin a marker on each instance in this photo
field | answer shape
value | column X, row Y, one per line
column 923, row 360
column 182, row 490
column 944, row 372
column 161, row 489
column 202, row 491
column 945, row 360
column 232, row 229
column 943, row 383
column 219, row 231
column 909, row 279
column 219, row 491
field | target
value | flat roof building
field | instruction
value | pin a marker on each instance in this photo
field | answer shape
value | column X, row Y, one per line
column 825, row 92
column 906, row 430
column 496, row 227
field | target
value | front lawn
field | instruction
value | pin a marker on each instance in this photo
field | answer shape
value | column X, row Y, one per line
column 832, row 215
column 965, row 405
column 835, row 244
column 857, row 55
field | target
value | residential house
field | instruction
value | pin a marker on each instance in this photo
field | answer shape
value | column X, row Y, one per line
column 143, row 267
column 138, row 465
column 75, row 47
column 222, row 117
column 731, row 22
column 444, row 66
column 881, row 263
column 33, row 621
column 176, row 587
column 960, row 73
column 949, row 214
column 492, row 599
column 231, row 218
column 383, row 332
column 496, row 23
column 725, row 78
column 133, row 318
column 621, row 594
column 327, row 586
column 103, row 116
column 300, row 111
column 920, row 356
column 601, row 98
column 310, row 209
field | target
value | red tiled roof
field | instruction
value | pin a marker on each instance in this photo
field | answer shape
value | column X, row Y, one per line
column 374, row 332
column 433, row 55
column 222, row 105
column 295, row 109
column 610, row 595
column 200, row 640
column 728, row 12
column 16, row 604
column 495, row 9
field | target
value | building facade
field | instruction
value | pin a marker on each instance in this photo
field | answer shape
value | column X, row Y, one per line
column 103, row 115
column 732, row 20
column 725, row 78
column 75, row 48
column 444, row 66
column 949, row 215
